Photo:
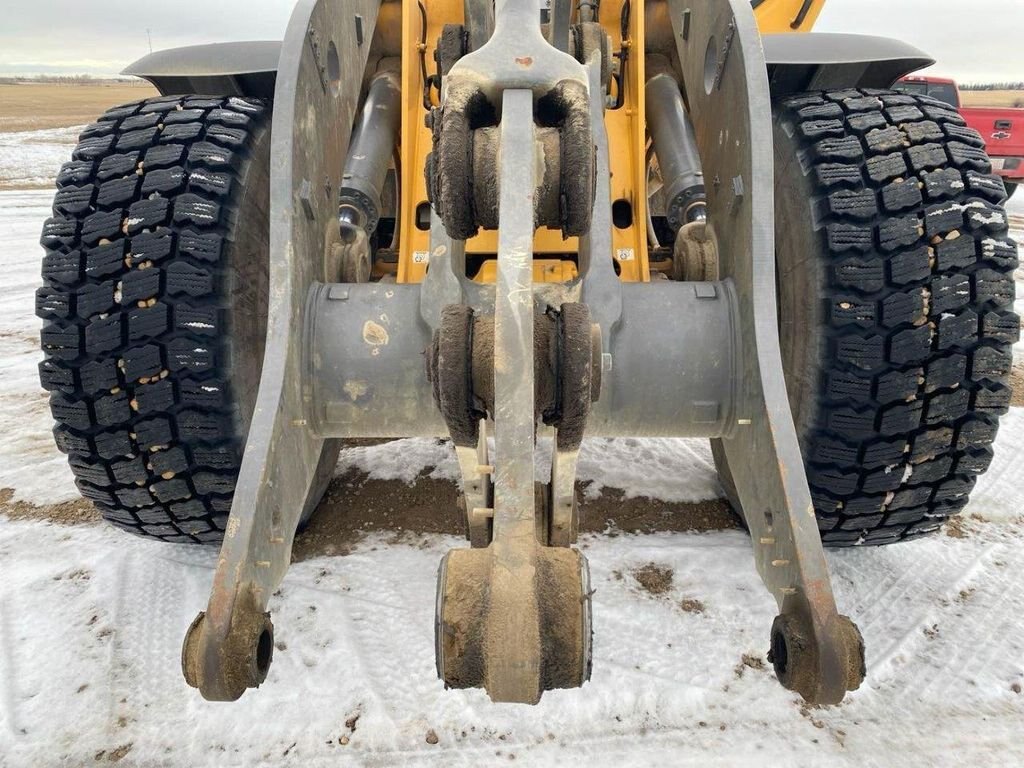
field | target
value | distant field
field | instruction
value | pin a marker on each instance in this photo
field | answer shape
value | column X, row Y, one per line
column 992, row 98
column 37, row 106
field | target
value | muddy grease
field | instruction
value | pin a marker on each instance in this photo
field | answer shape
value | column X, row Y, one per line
column 77, row 512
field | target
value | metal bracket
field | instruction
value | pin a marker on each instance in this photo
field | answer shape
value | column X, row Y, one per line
column 286, row 466
column 514, row 617
column 817, row 652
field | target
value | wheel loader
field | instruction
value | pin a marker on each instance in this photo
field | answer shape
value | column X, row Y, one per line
column 497, row 221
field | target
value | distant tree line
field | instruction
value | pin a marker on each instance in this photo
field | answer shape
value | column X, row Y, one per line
column 1009, row 86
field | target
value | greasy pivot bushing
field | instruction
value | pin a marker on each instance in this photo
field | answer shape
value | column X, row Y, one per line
column 793, row 654
column 560, row 651
column 588, row 38
column 695, row 255
column 579, row 374
column 567, row 375
column 461, row 175
column 242, row 662
column 449, row 369
column 452, row 45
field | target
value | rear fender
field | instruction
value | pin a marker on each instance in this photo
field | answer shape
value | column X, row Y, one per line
column 825, row 61
column 219, row 69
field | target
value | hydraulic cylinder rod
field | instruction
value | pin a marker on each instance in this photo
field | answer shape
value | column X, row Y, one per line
column 676, row 147
column 370, row 151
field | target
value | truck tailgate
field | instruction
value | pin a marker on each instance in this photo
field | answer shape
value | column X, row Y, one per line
column 1001, row 128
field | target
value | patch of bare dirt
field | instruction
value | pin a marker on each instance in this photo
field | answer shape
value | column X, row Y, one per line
column 36, row 106
column 691, row 605
column 955, row 528
column 807, row 712
column 77, row 512
column 965, row 595
column 656, row 579
column 114, row 755
column 613, row 512
column 27, row 338
column 1017, row 383
column 749, row 661
column 355, row 506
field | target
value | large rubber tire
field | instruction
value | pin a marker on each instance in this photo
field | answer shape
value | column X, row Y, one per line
column 1011, row 188
column 896, row 292
column 154, row 306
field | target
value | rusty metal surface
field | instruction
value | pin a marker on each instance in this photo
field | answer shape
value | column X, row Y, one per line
column 726, row 82
column 512, row 617
column 284, row 460
column 517, row 57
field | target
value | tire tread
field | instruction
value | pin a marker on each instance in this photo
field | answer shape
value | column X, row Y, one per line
column 134, row 303
column 917, row 302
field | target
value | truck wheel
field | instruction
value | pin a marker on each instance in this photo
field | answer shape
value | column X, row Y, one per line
column 1011, row 188
column 154, row 303
column 895, row 277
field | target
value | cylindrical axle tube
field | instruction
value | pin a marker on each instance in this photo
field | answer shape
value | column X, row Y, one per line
column 365, row 372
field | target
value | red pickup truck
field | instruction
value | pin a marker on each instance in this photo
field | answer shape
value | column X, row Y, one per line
column 1001, row 127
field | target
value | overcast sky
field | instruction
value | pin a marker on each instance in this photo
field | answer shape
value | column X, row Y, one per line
column 971, row 39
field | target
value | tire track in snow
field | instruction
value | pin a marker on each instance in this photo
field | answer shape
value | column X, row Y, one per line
column 8, row 668
column 923, row 583
column 395, row 642
column 873, row 608
column 148, row 604
column 978, row 642
column 377, row 642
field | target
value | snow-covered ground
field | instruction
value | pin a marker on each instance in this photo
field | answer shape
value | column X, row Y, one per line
column 91, row 623
column 28, row 158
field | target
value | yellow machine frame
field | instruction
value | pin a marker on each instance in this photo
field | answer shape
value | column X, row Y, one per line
column 627, row 135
